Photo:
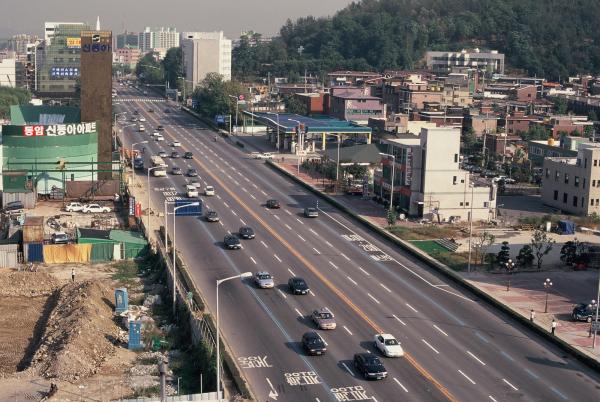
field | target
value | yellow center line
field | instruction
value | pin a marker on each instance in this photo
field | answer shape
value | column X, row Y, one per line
column 323, row 279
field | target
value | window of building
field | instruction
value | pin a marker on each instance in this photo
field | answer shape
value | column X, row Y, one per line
column 595, row 162
column 455, row 158
column 575, row 200
column 547, row 173
column 467, row 203
column 585, row 163
column 454, row 179
column 566, row 178
column 597, row 201
column 576, row 181
column 461, row 204
column 565, row 198
column 555, row 195
column 593, row 183
column 592, row 202
column 486, row 204
column 583, row 184
column 556, row 175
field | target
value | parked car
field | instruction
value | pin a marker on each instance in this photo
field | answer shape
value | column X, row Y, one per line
column 311, row 212
column 264, row 280
column 188, row 155
column 212, row 216
column 313, row 343
column 74, row 207
column 14, row 207
column 388, row 345
column 323, row 318
column 583, row 312
column 60, row 238
column 246, row 232
column 298, row 286
column 273, row 204
column 232, row 242
column 209, row 191
column 369, row 366
column 95, row 209
column 176, row 171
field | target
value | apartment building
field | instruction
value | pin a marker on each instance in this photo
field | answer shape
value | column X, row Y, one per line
column 205, row 52
column 572, row 184
column 445, row 62
column 428, row 181
column 357, row 107
column 159, row 39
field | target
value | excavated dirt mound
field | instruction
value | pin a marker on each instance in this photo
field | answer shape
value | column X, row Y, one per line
column 79, row 334
column 27, row 284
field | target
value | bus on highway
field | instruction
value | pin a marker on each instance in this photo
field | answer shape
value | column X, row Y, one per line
column 160, row 165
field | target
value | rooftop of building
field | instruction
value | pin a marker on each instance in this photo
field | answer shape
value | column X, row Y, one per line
column 28, row 114
column 354, row 95
column 319, row 124
column 354, row 73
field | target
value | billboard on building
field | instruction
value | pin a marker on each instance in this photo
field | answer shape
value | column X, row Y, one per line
column 74, row 43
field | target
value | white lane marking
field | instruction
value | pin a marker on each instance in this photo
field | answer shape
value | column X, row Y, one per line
column 287, row 212
column 218, row 196
column 253, row 197
column 432, row 348
column 467, row 377
column 333, row 265
column 229, row 231
column 364, row 272
column 398, row 319
column 288, row 226
column 253, row 260
column 411, row 307
column 264, row 244
column 221, row 223
column 439, row 329
column 243, row 223
column 299, row 313
column 291, row 272
column 347, row 330
column 226, row 206
column 233, row 212
column 301, row 238
column 510, row 385
column 254, row 185
column 503, row 353
column 248, row 180
column 312, row 293
column 281, row 293
column 237, row 183
column 476, row 358
column 263, row 192
column 348, row 370
column 385, row 287
column 492, row 398
column 276, row 217
column 329, row 244
column 374, row 299
column 399, row 383
column 316, row 251
column 302, row 223
column 244, row 189
column 345, row 256
column 352, row 280
column 277, row 258
column 313, row 232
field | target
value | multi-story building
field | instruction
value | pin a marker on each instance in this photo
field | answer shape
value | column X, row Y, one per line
column 127, row 40
column 490, row 62
column 428, row 181
column 158, row 39
column 351, row 78
column 355, row 105
column 411, row 92
column 572, row 184
column 127, row 56
column 539, row 150
column 8, row 73
column 51, row 28
column 205, row 52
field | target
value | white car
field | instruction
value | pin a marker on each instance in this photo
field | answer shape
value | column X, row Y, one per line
column 95, row 209
column 142, row 118
column 209, row 191
column 267, row 155
column 388, row 345
column 74, row 207
column 261, row 155
column 176, row 144
column 159, row 138
column 255, row 155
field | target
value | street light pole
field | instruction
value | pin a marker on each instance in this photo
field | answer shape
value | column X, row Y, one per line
column 597, row 304
column 547, row 286
column 472, row 185
column 220, row 281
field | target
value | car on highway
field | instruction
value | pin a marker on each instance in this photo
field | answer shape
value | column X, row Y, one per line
column 313, row 343
column 176, row 144
column 196, row 183
column 175, row 155
column 142, row 119
column 160, row 128
column 133, row 119
column 60, row 238
column 232, row 242
column 261, row 155
column 273, row 204
column 212, row 216
column 246, row 232
column 369, row 366
column 298, row 286
column 167, row 110
column 159, row 138
column 141, row 128
column 136, row 112
column 150, row 110
column 388, row 345
column 209, row 191
column 176, row 171
column 192, row 172
column 264, row 280
column 583, row 312
column 162, row 154
column 323, row 318
column 191, row 191
column 94, row 209
column 74, row 207
column 310, row 212
column 188, row 155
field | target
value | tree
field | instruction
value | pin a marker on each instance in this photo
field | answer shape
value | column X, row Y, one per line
column 560, row 105
column 571, row 251
column 503, row 255
column 12, row 96
column 213, row 95
column 392, row 216
column 541, row 245
column 535, row 132
column 172, row 64
column 293, row 105
column 149, row 70
column 592, row 116
column 525, row 257
column 481, row 242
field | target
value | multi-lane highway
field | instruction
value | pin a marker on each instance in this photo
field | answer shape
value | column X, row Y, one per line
column 457, row 348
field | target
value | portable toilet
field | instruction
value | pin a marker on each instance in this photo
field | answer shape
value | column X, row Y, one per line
column 121, row 300
column 135, row 335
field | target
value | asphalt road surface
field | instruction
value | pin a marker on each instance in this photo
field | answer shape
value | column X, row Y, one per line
column 457, row 348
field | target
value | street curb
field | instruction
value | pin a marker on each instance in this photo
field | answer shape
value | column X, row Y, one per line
column 445, row 270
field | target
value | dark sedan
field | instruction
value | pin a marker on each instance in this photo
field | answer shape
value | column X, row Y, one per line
column 188, row 155
column 583, row 312
column 369, row 366
column 246, row 232
column 298, row 286
column 313, row 343
column 192, row 172
column 175, row 155
column 232, row 242
column 176, row 171
column 273, row 204
column 212, row 216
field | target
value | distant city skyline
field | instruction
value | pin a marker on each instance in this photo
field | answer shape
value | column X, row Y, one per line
column 230, row 16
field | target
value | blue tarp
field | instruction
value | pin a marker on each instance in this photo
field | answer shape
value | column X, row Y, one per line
column 566, row 227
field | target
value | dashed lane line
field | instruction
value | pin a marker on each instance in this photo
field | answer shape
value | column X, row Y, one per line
column 467, row 377
column 431, row 347
column 400, row 384
column 398, row 319
column 347, row 330
column 439, row 329
column 373, row 298
column 476, row 358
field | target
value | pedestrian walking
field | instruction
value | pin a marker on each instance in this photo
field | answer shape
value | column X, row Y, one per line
column 554, row 324
column 532, row 315
column 72, row 274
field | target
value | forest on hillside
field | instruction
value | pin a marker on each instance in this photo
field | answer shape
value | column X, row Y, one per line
column 550, row 38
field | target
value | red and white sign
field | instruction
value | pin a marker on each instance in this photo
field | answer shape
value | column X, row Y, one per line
column 33, row 131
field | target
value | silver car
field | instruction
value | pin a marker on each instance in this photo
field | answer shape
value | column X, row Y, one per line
column 264, row 280
column 324, row 318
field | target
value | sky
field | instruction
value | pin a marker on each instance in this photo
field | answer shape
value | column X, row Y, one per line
column 230, row 16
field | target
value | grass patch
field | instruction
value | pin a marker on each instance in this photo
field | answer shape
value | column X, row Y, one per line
column 429, row 246
column 148, row 391
column 127, row 271
column 455, row 261
column 425, row 232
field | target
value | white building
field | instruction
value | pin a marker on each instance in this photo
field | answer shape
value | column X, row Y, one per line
column 8, row 73
column 50, row 28
column 428, row 181
column 205, row 52
column 445, row 62
column 159, row 39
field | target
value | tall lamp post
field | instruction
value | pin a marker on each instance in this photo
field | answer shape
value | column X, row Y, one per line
column 131, row 159
column 547, row 286
column 592, row 305
column 472, row 185
column 510, row 266
column 393, row 178
column 220, row 281
column 237, row 101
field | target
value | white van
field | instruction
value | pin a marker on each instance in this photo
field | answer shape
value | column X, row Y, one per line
column 192, row 191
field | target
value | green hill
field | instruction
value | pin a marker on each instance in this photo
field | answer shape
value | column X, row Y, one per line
column 551, row 38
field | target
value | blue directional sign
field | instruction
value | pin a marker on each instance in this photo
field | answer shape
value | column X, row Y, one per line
column 188, row 209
